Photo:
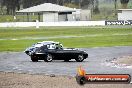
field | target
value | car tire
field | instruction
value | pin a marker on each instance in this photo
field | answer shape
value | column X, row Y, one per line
column 34, row 59
column 66, row 60
column 81, row 80
column 80, row 58
column 48, row 58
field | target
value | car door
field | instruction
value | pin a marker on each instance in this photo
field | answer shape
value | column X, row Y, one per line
column 60, row 54
column 65, row 54
column 72, row 53
column 57, row 53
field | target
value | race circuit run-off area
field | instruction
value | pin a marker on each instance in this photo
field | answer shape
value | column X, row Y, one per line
column 96, row 63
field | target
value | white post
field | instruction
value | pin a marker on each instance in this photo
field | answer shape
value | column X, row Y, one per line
column 14, row 17
column 37, row 24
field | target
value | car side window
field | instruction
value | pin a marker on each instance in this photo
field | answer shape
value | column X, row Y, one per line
column 48, row 46
column 52, row 46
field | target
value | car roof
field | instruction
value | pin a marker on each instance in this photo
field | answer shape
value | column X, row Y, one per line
column 39, row 44
column 49, row 42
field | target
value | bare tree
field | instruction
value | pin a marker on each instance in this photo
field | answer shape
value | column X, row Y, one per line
column 60, row 2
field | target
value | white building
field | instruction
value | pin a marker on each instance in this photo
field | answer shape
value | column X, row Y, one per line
column 124, row 14
column 55, row 13
column 51, row 12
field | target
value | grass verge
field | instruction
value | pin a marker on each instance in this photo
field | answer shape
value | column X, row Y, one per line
column 15, row 39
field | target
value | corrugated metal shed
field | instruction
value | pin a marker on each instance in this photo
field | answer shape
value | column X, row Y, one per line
column 47, row 7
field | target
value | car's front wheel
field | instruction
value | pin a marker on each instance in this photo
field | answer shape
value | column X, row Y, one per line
column 48, row 58
column 80, row 58
column 66, row 60
column 34, row 59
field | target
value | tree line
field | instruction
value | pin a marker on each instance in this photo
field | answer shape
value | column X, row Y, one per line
column 13, row 5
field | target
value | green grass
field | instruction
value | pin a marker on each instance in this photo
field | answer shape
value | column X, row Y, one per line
column 6, row 18
column 81, row 37
column 19, row 18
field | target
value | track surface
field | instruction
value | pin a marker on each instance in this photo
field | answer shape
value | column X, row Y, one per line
column 98, row 62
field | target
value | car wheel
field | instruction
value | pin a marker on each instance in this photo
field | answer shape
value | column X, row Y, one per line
column 48, row 58
column 80, row 58
column 34, row 59
column 66, row 60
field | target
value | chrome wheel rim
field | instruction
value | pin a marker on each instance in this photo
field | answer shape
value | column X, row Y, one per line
column 80, row 57
column 49, row 57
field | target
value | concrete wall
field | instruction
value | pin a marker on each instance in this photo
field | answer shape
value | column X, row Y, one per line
column 71, row 17
column 125, row 15
column 50, row 17
column 62, row 17
column 82, row 15
column 79, row 15
column 63, row 23
column 85, row 15
column 54, row 17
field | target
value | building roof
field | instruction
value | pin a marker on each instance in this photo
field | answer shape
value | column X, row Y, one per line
column 47, row 7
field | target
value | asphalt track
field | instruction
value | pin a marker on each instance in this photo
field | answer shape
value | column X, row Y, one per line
column 99, row 61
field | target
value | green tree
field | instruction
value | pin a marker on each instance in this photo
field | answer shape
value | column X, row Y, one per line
column 115, row 6
column 96, row 7
column 11, row 6
column 124, row 3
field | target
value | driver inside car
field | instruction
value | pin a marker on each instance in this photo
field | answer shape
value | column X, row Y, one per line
column 59, row 46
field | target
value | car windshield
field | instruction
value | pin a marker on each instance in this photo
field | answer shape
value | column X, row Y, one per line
column 51, row 46
column 55, row 46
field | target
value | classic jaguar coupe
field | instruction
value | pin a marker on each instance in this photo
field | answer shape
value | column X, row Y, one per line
column 50, row 50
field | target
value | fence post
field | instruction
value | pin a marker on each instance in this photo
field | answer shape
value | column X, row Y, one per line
column 37, row 24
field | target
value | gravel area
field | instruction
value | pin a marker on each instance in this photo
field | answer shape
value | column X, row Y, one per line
column 125, row 60
column 98, row 62
column 18, row 71
column 14, row 80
